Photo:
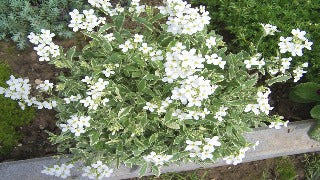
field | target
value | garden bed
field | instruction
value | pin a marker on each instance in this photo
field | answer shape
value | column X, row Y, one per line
column 273, row 143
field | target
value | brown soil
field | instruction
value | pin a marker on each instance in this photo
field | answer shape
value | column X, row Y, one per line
column 25, row 64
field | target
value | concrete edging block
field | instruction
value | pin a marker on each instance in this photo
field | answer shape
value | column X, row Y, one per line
column 291, row 140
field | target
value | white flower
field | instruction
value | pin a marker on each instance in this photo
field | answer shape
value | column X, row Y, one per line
column 109, row 37
column 107, row 72
column 138, row 38
column 126, row 46
column 298, row 72
column 221, row 113
column 269, row 29
column 211, row 42
column 216, row 60
column 145, row 49
column 193, row 145
column 213, row 141
column 45, row 86
column 62, row 171
column 149, row 106
column 76, row 124
column 97, row 170
column 158, row 160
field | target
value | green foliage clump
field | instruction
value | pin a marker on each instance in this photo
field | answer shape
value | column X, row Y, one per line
column 11, row 116
column 312, row 166
column 285, row 169
column 309, row 93
column 242, row 19
column 20, row 17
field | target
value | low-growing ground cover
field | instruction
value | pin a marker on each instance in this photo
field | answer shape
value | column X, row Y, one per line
column 44, row 71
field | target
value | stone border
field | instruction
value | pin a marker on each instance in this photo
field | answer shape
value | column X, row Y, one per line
column 273, row 143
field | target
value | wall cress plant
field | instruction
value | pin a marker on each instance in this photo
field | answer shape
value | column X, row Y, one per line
column 162, row 91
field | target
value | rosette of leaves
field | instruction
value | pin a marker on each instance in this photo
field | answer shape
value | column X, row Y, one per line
column 309, row 93
column 123, row 132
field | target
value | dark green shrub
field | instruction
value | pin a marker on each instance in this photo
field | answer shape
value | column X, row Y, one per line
column 20, row 17
column 11, row 116
column 242, row 19
column 309, row 93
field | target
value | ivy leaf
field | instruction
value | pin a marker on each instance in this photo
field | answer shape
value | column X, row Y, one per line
column 153, row 138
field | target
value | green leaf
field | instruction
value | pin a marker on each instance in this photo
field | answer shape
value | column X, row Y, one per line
column 118, row 21
column 305, row 93
column 277, row 79
column 142, row 85
column 104, row 28
column 157, row 17
column 315, row 112
column 143, row 169
column 251, row 82
column 168, row 116
column 173, row 125
column 94, row 137
column 71, row 53
column 150, row 77
column 124, row 112
column 143, row 21
column 314, row 133
column 153, row 138
column 118, row 37
column 156, row 170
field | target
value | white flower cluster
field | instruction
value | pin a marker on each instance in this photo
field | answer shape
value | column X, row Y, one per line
column 183, row 19
column 221, row 113
column 298, row 72
column 62, row 171
column 97, row 170
column 181, row 63
column 106, row 6
column 45, row 86
column 295, row 44
column 86, row 21
column 19, row 89
column 95, row 93
column 263, row 103
column 237, row 159
column 136, row 7
column 196, row 115
column 215, row 60
column 278, row 125
column 193, row 91
column 76, row 124
column 255, row 61
column 72, row 99
column 157, row 160
column 46, row 49
column 205, row 152
column 160, row 108
column 269, row 29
